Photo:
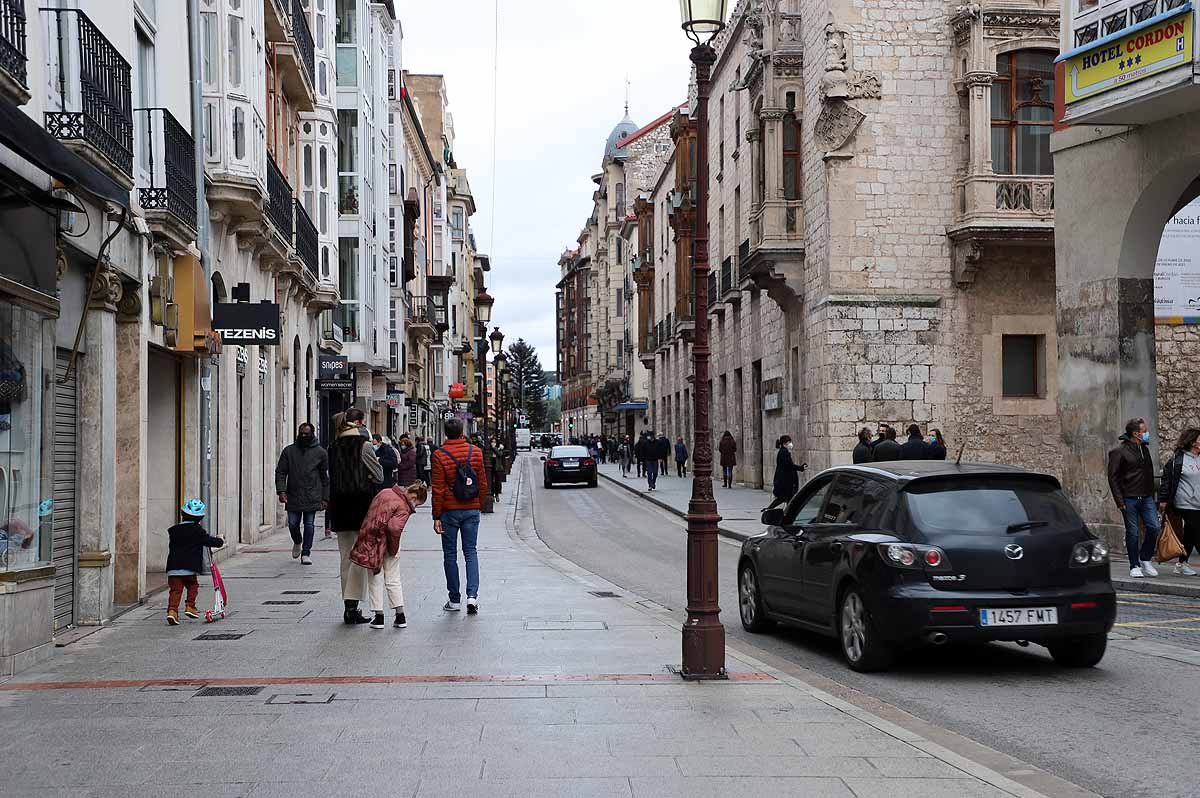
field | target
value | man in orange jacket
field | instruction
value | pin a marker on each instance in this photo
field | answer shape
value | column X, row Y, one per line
column 459, row 491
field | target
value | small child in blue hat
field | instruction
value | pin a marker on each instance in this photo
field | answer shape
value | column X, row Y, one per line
column 185, row 559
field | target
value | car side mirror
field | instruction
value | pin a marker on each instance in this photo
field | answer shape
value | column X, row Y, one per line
column 543, row 458
column 773, row 517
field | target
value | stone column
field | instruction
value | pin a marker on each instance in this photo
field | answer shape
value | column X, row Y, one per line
column 128, row 568
column 96, row 489
column 979, row 94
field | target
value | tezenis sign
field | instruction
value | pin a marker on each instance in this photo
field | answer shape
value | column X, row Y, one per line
column 246, row 324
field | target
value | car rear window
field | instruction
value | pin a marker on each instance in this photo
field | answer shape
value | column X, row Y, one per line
column 569, row 451
column 988, row 505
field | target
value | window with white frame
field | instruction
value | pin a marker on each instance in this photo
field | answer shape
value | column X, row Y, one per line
column 1095, row 19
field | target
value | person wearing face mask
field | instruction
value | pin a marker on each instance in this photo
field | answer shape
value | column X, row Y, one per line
column 406, row 464
column 1131, row 480
column 787, row 473
column 302, row 484
column 937, row 445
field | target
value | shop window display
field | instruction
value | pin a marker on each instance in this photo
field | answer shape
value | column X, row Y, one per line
column 26, row 341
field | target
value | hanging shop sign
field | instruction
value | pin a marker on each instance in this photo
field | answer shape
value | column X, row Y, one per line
column 1177, row 270
column 394, row 399
column 247, row 323
column 333, row 367
column 1157, row 45
column 457, row 391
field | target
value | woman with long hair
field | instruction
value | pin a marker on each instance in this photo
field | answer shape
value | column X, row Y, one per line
column 354, row 478
column 727, row 447
column 787, row 473
column 937, row 445
column 1179, row 494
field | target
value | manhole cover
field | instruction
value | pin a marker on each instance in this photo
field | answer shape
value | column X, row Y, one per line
column 211, row 692
column 604, row 594
column 565, row 626
column 301, row 592
column 283, row 602
column 222, row 636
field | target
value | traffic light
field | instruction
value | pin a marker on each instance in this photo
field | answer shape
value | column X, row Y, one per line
column 571, row 424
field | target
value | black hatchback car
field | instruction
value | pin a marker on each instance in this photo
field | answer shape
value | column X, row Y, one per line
column 896, row 554
column 569, row 464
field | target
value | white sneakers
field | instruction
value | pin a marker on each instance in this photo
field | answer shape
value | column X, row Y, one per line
column 1149, row 569
column 1136, row 572
column 1182, row 569
column 306, row 560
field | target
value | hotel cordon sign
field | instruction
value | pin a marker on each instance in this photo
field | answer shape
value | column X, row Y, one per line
column 1147, row 51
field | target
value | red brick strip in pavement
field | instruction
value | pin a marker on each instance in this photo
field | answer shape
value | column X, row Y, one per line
column 239, row 681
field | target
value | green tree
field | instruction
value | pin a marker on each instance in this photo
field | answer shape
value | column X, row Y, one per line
column 530, row 381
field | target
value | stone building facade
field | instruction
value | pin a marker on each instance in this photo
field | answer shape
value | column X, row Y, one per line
column 881, row 233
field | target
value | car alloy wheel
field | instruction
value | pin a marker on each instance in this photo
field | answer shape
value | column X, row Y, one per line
column 862, row 648
column 854, row 637
column 750, row 602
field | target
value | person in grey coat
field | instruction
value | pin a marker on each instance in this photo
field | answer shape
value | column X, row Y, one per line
column 302, row 482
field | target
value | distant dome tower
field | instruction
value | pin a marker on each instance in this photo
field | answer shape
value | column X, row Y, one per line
column 623, row 129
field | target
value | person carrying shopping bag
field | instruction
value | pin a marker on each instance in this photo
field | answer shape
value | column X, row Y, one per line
column 378, row 548
column 1179, row 495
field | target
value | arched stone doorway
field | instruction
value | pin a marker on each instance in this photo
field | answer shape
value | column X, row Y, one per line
column 1116, row 188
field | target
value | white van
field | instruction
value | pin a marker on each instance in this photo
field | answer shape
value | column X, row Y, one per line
column 524, row 439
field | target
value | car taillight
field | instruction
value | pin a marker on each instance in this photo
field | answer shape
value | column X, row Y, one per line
column 1089, row 553
column 554, row 462
column 907, row 555
column 587, row 461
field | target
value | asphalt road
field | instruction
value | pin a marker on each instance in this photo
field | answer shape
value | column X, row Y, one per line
column 1126, row 729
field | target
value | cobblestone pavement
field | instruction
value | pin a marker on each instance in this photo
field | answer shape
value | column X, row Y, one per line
column 561, row 686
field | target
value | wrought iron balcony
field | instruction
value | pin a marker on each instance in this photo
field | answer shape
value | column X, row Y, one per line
column 713, row 293
column 304, row 41
column 726, row 276
column 166, row 178
column 13, row 59
column 743, row 257
column 307, row 241
column 93, row 82
column 279, row 201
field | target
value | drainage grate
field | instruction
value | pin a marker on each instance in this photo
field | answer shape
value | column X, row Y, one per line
column 301, row 592
column 283, row 602
column 212, row 692
column 222, row 636
column 604, row 594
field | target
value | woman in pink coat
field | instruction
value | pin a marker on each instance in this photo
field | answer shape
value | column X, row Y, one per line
column 378, row 547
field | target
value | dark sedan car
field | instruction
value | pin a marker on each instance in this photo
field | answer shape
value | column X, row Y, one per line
column 569, row 464
column 890, row 555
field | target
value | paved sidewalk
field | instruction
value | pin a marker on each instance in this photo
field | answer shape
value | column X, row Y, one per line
column 741, row 508
column 555, row 689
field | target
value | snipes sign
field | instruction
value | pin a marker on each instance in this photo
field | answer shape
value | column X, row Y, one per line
column 1159, row 45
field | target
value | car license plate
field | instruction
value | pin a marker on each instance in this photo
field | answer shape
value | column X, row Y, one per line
column 570, row 464
column 1019, row 616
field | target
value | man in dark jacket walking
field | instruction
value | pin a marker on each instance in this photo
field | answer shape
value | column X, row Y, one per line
column 915, row 448
column 639, row 454
column 887, row 449
column 862, row 450
column 662, row 449
column 1131, row 480
column 388, row 460
column 302, row 482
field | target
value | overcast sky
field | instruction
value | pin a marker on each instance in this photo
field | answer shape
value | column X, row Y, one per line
column 562, row 68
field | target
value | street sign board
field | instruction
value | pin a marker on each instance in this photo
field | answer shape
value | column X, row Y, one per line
column 1160, row 44
column 246, row 323
column 342, row 386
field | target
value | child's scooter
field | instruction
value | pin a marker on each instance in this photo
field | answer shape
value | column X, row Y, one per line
column 220, row 597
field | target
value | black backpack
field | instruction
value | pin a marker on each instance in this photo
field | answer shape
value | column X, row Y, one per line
column 466, row 483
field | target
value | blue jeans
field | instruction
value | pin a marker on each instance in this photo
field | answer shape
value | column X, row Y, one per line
column 651, row 473
column 466, row 521
column 310, row 518
column 1143, row 509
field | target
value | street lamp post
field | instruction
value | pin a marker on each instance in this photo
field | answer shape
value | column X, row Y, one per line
column 703, row 634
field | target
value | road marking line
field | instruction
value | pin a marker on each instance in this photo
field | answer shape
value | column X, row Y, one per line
column 399, row 679
column 1158, row 622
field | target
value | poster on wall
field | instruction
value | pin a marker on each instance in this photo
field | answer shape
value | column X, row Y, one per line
column 1177, row 271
